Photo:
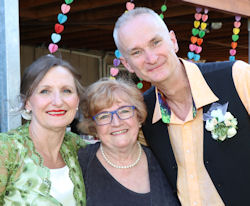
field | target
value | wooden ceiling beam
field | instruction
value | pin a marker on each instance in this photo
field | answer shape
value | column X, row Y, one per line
column 77, row 6
column 46, row 33
column 240, row 7
column 73, row 31
column 92, row 40
column 180, row 11
column 87, row 34
column 96, row 14
column 26, row 4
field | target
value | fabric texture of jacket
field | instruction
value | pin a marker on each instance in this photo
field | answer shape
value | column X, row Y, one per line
column 23, row 178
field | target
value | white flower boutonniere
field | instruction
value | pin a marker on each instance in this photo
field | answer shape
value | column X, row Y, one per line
column 219, row 122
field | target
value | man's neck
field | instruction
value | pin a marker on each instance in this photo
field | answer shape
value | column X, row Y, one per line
column 177, row 92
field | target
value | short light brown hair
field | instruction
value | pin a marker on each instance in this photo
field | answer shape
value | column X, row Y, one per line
column 103, row 94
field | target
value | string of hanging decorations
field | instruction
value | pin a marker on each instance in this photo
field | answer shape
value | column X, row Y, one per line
column 116, row 62
column 198, row 33
column 235, row 37
column 59, row 27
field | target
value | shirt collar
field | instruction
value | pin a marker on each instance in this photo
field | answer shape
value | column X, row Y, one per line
column 201, row 92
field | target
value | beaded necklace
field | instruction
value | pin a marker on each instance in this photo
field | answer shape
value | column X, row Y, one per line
column 126, row 166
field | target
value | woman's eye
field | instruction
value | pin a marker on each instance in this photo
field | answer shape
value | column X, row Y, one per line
column 124, row 111
column 104, row 116
column 67, row 91
column 44, row 91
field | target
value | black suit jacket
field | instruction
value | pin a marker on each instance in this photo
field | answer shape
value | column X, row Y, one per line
column 227, row 162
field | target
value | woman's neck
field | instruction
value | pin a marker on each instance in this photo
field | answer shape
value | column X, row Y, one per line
column 48, row 143
column 124, row 156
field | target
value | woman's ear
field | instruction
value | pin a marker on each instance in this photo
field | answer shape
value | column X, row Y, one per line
column 27, row 105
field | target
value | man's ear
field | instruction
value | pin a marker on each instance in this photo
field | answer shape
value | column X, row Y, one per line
column 174, row 41
column 126, row 65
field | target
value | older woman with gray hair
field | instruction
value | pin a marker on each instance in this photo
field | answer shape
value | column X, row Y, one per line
column 118, row 170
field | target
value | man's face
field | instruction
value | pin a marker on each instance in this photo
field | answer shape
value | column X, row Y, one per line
column 148, row 48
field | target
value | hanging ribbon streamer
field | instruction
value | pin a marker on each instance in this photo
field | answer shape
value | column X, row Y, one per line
column 235, row 37
column 59, row 27
column 116, row 62
column 198, row 32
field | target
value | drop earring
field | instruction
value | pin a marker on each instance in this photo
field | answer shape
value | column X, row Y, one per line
column 26, row 114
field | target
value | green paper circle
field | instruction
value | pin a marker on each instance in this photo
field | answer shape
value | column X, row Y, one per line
column 139, row 85
column 163, row 8
column 162, row 16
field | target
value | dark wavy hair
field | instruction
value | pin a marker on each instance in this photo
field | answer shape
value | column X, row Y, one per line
column 38, row 69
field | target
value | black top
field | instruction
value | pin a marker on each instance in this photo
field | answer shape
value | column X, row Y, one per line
column 227, row 162
column 103, row 189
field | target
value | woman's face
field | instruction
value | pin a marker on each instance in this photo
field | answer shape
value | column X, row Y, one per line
column 55, row 100
column 119, row 133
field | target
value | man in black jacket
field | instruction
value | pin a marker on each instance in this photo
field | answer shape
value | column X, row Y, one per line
column 207, row 162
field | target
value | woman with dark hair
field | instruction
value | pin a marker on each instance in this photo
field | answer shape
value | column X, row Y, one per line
column 118, row 170
column 38, row 161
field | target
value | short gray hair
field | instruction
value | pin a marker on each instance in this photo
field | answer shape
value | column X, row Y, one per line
column 127, row 16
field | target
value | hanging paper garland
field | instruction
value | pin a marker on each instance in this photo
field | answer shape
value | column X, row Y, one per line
column 198, row 32
column 163, row 9
column 114, row 70
column 116, row 62
column 62, row 18
column 130, row 5
column 235, row 37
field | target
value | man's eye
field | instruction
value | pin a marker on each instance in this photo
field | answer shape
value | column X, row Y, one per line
column 156, row 42
column 136, row 53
